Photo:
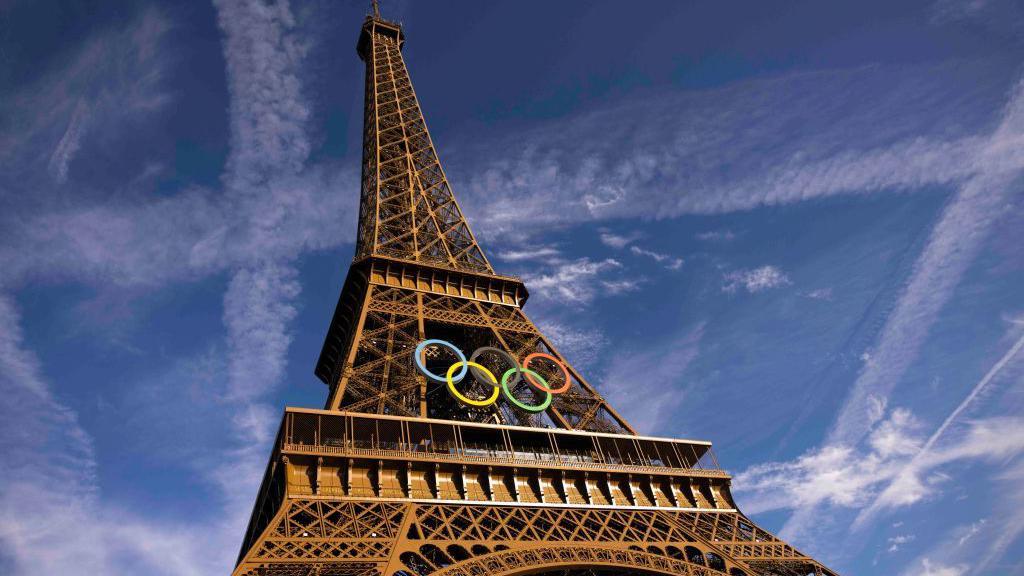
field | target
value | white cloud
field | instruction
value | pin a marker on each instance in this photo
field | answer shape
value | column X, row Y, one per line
column 854, row 478
column 897, row 542
column 1000, row 18
column 670, row 262
column 618, row 240
column 819, row 294
column 1007, row 524
column 268, row 109
column 579, row 281
column 755, row 280
column 986, row 541
column 838, row 475
column 1001, row 438
column 927, row 568
column 526, row 254
column 621, row 286
column 971, row 532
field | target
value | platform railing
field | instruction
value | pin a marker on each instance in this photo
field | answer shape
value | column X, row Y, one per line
column 354, row 435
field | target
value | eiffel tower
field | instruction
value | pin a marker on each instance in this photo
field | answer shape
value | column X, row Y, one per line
column 455, row 439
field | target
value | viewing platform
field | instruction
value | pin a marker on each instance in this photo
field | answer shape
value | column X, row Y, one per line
column 371, row 456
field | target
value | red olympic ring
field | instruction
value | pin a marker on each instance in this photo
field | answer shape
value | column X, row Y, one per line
column 541, row 387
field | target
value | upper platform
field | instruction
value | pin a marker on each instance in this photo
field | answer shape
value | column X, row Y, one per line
column 375, row 25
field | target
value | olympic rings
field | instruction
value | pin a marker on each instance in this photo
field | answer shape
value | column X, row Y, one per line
column 545, row 387
column 481, row 374
column 528, row 407
column 504, row 355
column 422, row 368
column 466, row 399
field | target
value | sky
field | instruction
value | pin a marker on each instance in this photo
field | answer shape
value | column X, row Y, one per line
column 792, row 229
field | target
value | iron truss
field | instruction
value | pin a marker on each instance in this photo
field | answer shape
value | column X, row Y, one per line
column 396, row 478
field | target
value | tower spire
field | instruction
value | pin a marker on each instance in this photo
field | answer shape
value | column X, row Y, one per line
column 407, row 209
column 376, row 8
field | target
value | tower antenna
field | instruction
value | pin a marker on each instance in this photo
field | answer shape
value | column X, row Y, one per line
column 376, row 8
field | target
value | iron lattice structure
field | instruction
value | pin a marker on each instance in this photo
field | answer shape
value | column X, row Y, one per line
column 396, row 477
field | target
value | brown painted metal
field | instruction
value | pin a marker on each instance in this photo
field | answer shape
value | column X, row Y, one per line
column 394, row 477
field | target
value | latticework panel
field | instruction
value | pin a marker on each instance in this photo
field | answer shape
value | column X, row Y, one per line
column 407, row 208
column 351, row 537
column 440, row 535
column 738, row 535
column 543, row 524
column 379, row 375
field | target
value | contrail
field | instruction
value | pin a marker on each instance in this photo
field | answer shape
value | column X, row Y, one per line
column 970, row 397
column 996, row 368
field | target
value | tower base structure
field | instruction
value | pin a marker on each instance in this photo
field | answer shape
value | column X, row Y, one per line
column 363, row 494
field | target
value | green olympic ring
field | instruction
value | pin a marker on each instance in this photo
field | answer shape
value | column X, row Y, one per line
column 481, row 374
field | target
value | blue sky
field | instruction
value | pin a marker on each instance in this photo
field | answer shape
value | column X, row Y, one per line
column 793, row 230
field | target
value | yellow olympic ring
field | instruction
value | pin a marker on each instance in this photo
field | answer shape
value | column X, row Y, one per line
column 451, row 384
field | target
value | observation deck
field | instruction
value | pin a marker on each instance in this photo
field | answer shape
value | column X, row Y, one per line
column 322, row 454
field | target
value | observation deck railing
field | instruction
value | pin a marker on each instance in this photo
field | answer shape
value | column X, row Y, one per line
column 347, row 434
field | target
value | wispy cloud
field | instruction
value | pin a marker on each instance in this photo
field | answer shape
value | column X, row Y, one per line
column 269, row 111
column 929, row 568
column 51, row 518
column 648, row 386
column 69, row 144
column 272, row 208
column 897, row 542
column 618, row 241
column 946, row 555
column 754, row 280
column 267, row 175
column 988, row 539
column 580, row 346
column 716, row 236
column 894, row 467
column 818, row 294
column 116, row 78
column 613, row 163
column 994, row 164
column 1004, row 18
column 670, row 262
column 579, row 281
column 526, row 254
column 622, row 286
column 952, row 245
column 258, row 309
column 1007, row 523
